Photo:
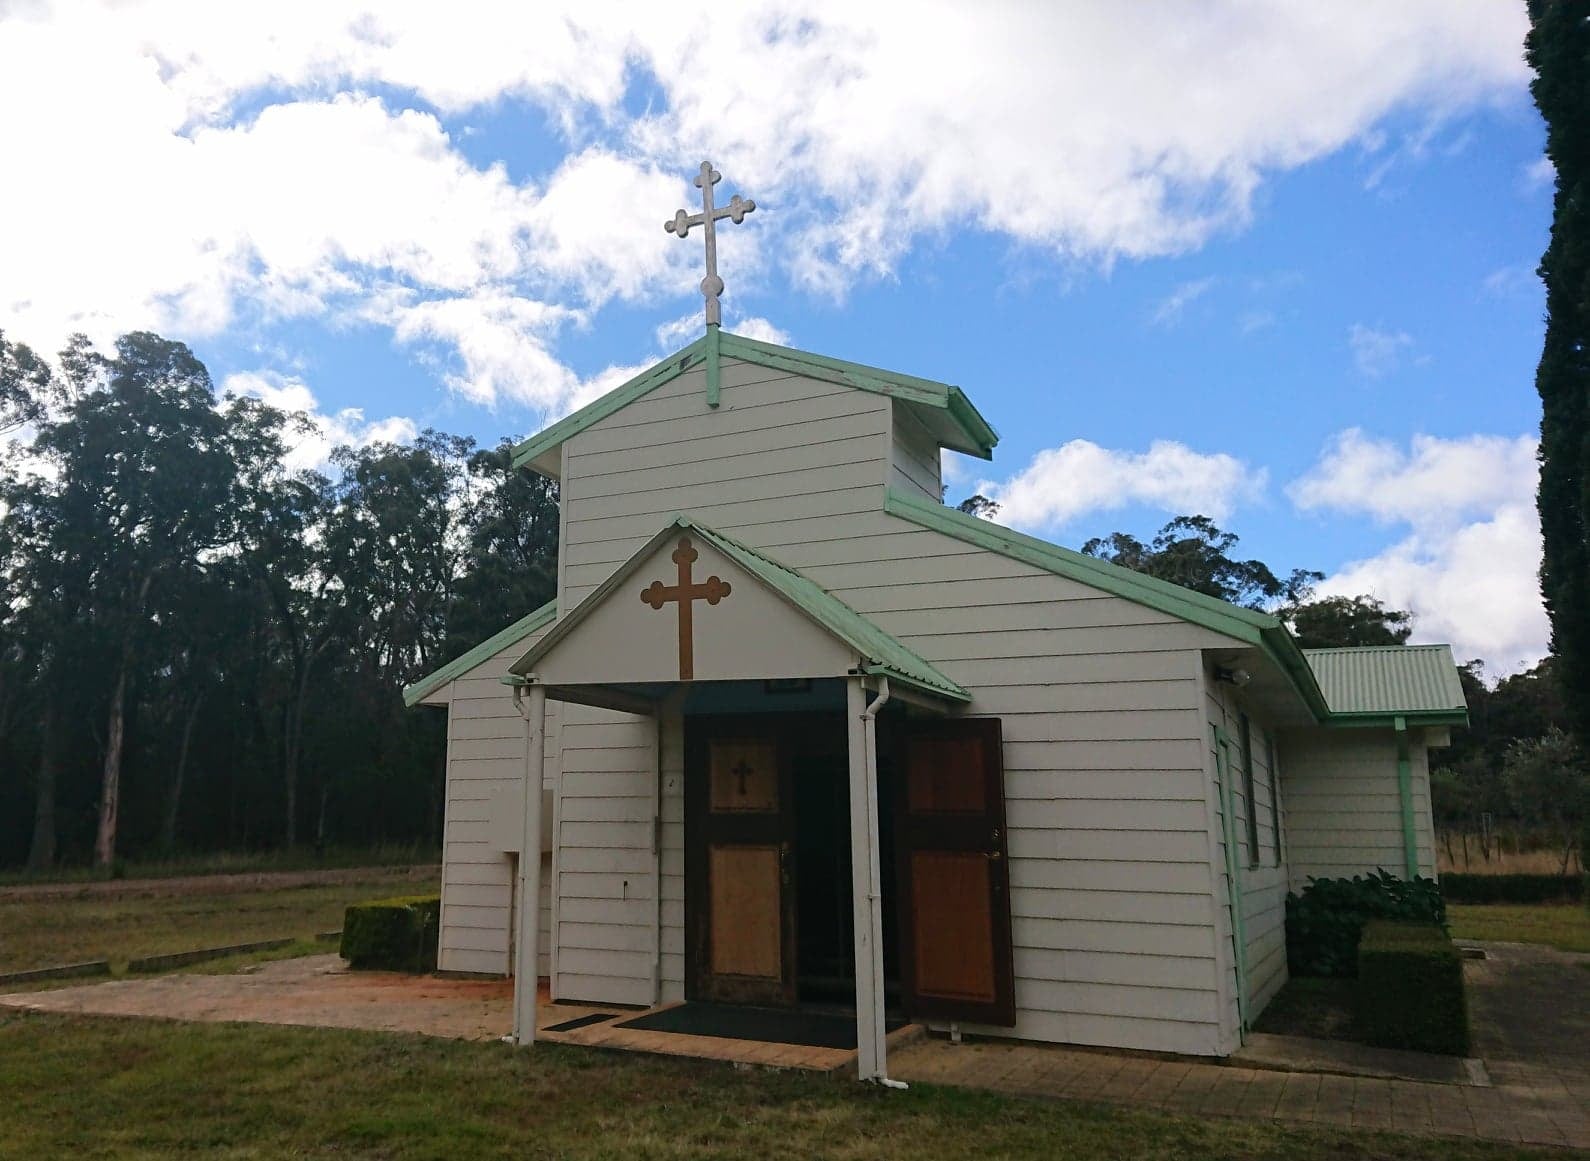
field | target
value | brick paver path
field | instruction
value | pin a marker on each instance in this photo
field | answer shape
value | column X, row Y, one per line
column 1530, row 1010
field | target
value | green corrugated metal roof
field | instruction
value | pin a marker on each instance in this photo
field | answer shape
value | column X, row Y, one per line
column 884, row 655
column 971, row 433
column 462, row 664
column 1414, row 681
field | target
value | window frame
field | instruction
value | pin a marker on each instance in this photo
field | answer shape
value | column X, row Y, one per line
column 1251, row 806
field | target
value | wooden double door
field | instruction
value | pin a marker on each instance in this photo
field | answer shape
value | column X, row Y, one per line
column 949, row 894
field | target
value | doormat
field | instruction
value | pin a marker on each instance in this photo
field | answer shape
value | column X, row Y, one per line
column 580, row 1022
column 737, row 1022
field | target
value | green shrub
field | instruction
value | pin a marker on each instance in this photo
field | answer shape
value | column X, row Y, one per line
column 1410, row 989
column 393, row 934
column 1324, row 922
column 1462, row 888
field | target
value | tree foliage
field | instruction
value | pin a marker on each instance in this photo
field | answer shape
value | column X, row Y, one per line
column 1558, row 48
column 1334, row 622
column 200, row 648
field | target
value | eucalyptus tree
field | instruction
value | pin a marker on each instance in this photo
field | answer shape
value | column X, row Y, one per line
column 147, row 484
column 510, row 560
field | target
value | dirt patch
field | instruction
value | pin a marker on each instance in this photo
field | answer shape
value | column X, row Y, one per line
column 231, row 884
column 314, row 990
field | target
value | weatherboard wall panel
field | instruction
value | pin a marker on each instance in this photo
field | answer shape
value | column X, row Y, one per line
column 1344, row 808
column 914, row 456
column 1261, row 873
column 1073, row 845
column 1086, row 683
column 605, row 837
column 485, row 773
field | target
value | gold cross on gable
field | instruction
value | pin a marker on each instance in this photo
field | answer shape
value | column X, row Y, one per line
column 686, row 592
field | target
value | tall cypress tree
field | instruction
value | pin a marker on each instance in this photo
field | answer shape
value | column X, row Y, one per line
column 1558, row 48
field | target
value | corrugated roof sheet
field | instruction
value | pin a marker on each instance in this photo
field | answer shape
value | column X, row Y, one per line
column 1389, row 679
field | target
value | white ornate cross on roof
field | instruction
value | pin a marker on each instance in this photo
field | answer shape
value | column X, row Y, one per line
column 735, row 211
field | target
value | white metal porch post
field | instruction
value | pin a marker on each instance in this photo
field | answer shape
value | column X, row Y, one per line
column 532, row 703
column 866, row 886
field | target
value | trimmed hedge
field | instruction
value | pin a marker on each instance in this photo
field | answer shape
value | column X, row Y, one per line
column 1457, row 887
column 397, row 935
column 1324, row 922
column 1410, row 989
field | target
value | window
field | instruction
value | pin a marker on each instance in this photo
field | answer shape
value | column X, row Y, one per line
column 1245, row 740
column 1275, row 797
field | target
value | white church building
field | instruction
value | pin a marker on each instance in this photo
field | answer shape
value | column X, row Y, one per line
column 804, row 736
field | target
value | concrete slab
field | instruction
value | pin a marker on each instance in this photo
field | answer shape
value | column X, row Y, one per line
column 1342, row 1058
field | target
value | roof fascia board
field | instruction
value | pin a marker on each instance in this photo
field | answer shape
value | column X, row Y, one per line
column 593, row 599
column 1246, row 625
column 622, row 396
column 763, row 568
column 464, row 662
column 754, row 563
column 980, row 434
column 1387, row 719
column 1242, row 624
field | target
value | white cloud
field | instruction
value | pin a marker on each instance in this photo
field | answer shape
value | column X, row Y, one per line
column 1538, row 173
column 1376, row 352
column 1506, row 281
column 189, row 162
column 1468, row 566
column 309, row 445
column 1170, row 309
column 1081, row 477
column 762, row 330
column 1436, row 482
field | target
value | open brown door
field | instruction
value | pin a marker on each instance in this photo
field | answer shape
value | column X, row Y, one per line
column 739, row 898
column 954, row 902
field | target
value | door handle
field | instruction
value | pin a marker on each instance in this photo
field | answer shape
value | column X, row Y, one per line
column 993, row 856
column 783, row 863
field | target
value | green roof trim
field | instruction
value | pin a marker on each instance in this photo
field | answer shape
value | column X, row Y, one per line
column 978, row 436
column 884, row 655
column 463, row 663
column 1247, row 625
column 621, row 396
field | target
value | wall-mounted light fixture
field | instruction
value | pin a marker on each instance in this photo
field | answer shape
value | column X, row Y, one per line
column 1237, row 677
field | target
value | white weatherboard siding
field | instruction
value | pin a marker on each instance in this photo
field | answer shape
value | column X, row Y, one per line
column 780, row 452
column 1261, row 871
column 914, row 465
column 485, row 777
column 1344, row 813
column 1112, row 890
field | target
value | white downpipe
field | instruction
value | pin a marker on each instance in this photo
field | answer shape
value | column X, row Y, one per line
column 871, row 1030
column 526, row 978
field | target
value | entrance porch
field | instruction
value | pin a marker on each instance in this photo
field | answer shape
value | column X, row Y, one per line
column 835, row 832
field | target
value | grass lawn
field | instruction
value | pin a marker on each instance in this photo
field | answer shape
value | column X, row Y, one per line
column 54, row 929
column 1561, row 925
column 93, row 1087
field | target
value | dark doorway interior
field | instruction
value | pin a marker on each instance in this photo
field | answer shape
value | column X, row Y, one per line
column 826, row 950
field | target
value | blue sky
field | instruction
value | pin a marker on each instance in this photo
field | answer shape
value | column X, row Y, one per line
column 1271, row 263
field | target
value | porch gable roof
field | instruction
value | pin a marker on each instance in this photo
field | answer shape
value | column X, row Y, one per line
column 880, row 653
